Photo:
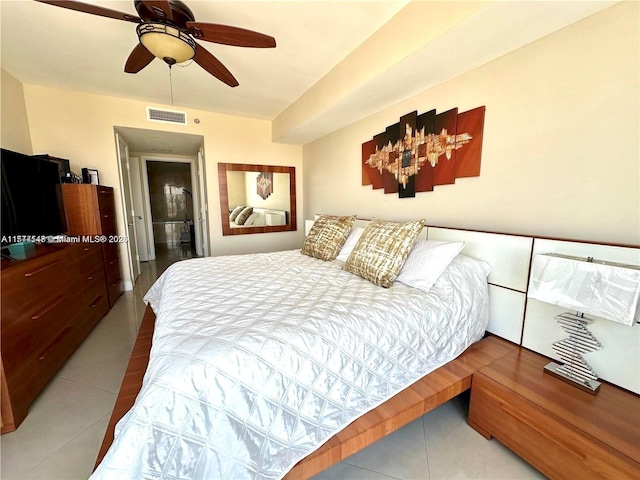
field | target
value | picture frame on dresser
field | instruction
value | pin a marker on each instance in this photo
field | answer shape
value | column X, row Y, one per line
column 90, row 176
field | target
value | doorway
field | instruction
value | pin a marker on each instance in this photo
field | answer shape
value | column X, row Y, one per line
column 141, row 146
column 172, row 209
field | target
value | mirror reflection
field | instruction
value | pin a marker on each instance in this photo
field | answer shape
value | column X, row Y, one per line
column 256, row 198
column 265, row 194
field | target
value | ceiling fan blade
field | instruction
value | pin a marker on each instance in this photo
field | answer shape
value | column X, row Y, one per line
column 212, row 65
column 227, row 35
column 93, row 9
column 160, row 8
column 139, row 58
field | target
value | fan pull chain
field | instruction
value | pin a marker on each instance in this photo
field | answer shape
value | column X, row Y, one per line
column 171, row 85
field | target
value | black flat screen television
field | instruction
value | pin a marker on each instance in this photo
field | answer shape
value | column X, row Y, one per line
column 32, row 204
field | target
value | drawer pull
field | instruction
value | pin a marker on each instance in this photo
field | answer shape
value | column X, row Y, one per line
column 51, row 306
column 96, row 302
column 30, row 274
column 521, row 417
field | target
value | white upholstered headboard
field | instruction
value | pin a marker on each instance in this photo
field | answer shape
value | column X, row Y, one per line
column 531, row 323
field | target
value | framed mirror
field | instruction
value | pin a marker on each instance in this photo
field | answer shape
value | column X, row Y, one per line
column 266, row 193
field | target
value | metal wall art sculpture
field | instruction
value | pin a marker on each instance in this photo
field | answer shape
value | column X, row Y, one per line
column 422, row 151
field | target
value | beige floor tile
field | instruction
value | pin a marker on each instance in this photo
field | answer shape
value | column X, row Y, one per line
column 402, row 454
column 456, row 451
column 345, row 471
column 63, row 411
column 74, row 460
column 106, row 374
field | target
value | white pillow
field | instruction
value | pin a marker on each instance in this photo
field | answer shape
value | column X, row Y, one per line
column 349, row 243
column 426, row 262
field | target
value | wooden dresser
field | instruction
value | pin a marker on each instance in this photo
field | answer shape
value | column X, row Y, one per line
column 52, row 300
column 90, row 211
column 562, row 431
column 50, row 303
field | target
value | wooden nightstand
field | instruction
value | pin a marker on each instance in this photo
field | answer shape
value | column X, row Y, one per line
column 562, row 431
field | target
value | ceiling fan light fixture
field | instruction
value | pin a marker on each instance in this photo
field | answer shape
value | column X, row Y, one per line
column 166, row 42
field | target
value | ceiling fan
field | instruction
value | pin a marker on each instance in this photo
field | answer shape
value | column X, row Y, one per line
column 167, row 29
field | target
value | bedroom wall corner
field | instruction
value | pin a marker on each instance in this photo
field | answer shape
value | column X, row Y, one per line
column 561, row 152
column 14, row 122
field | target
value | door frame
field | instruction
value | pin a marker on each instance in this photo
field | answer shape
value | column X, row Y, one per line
column 131, row 234
column 139, row 207
column 196, row 179
column 203, row 213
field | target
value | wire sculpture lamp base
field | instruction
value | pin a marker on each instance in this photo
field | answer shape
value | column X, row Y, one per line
column 575, row 371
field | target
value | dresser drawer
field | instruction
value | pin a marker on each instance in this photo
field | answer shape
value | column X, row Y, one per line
column 37, row 371
column 108, row 223
column 112, row 270
column 94, row 283
column 29, row 335
column 115, row 290
column 555, row 447
column 111, row 252
column 33, row 283
column 91, row 313
column 89, row 255
column 106, row 203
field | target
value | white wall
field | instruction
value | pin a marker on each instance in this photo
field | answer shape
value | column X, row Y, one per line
column 561, row 141
column 79, row 127
column 14, row 125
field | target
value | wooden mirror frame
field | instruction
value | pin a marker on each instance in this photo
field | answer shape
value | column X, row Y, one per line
column 223, row 168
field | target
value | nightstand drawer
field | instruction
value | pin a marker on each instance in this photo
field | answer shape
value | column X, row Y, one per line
column 550, row 444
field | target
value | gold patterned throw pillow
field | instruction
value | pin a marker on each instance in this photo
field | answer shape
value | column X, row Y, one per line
column 244, row 214
column 327, row 236
column 382, row 250
column 236, row 211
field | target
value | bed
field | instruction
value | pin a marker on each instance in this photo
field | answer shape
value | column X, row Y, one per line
column 260, row 362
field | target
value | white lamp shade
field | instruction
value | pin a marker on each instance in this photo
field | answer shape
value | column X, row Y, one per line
column 603, row 290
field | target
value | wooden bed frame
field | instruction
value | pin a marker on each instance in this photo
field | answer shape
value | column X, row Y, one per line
column 424, row 395
column 510, row 258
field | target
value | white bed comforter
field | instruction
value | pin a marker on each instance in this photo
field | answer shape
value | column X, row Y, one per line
column 258, row 359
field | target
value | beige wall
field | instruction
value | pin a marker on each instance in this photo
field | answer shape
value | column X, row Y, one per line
column 80, row 127
column 14, row 126
column 561, row 142
column 279, row 199
column 241, row 188
column 236, row 189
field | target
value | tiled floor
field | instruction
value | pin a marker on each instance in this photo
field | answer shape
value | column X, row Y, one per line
column 63, row 431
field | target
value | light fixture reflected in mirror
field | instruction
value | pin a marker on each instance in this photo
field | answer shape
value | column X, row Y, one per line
column 241, row 184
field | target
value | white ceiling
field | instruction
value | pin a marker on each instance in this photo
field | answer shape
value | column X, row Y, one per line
column 47, row 45
column 56, row 47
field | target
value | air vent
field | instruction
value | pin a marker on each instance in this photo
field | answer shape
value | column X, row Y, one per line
column 166, row 116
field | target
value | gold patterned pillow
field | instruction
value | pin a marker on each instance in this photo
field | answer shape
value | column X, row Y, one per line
column 236, row 211
column 244, row 214
column 327, row 236
column 382, row 250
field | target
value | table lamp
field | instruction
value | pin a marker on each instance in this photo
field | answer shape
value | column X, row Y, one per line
column 606, row 290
